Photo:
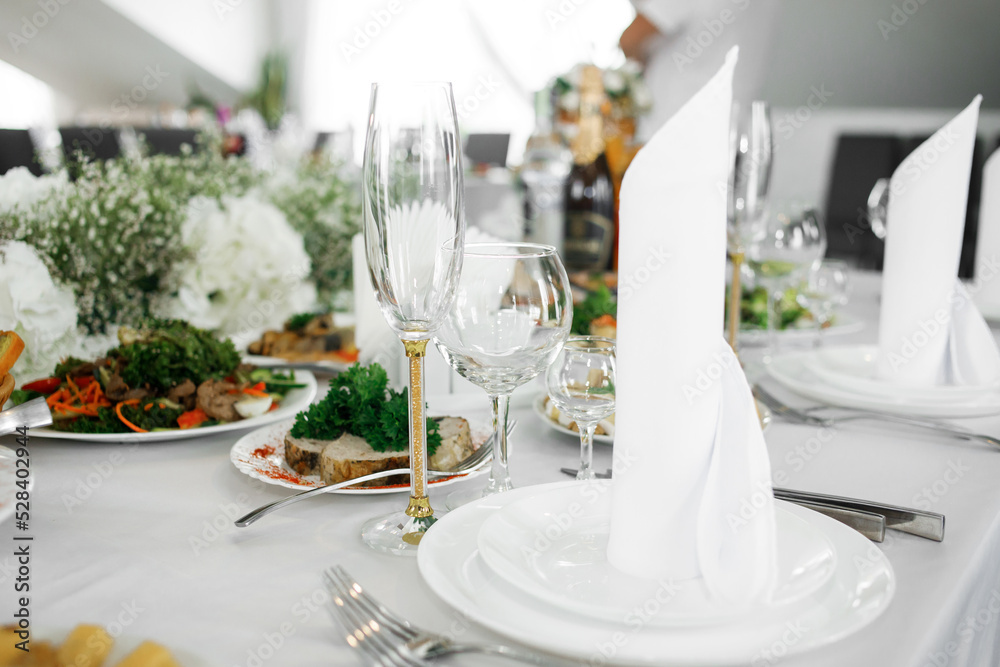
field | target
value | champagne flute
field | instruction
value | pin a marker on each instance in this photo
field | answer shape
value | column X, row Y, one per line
column 751, row 150
column 414, row 235
column 581, row 384
column 824, row 289
column 512, row 312
column 794, row 240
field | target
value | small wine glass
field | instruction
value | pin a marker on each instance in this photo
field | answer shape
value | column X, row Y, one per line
column 414, row 235
column 793, row 241
column 511, row 314
column 581, row 384
column 824, row 290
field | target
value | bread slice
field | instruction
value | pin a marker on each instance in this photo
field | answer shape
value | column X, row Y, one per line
column 11, row 347
column 349, row 457
column 6, row 389
column 303, row 454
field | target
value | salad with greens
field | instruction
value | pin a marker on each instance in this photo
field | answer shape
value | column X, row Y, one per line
column 165, row 374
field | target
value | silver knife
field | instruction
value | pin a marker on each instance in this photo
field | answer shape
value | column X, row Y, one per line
column 31, row 414
column 928, row 525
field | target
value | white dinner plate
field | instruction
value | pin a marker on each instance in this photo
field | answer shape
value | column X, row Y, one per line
column 570, row 570
column 861, row 588
column 261, row 455
column 295, row 401
column 539, row 406
column 793, row 370
column 843, row 325
column 8, row 482
column 123, row 645
column 855, row 368
column 989, row 311
column 278, row 363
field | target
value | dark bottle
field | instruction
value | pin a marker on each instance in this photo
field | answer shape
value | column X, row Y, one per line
column 589, row 193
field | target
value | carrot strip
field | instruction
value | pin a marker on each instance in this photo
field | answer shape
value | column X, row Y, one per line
column 250, row 391
column 76, row 392
column 118, row 411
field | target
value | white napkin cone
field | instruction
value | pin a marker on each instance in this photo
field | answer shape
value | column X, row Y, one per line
column 692, row 481
column 930, row 332
column 986, row 288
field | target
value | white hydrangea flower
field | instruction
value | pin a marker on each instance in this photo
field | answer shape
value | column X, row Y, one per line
column 249, row 272
column 20, row 188
column 42, row 313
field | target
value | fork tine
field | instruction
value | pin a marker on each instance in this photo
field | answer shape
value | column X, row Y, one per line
column 383, row 616
column 368, row 638
column 354, row 637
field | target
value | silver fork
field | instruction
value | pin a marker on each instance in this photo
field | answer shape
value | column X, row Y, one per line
column 470, row 464
column 391, row 640
column 812, row 417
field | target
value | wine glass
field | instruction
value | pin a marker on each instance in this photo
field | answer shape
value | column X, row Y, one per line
column 581, row 384
column 751, row 150
column 512, row 312
column 793, row 240
column 824, row 290
column 414, row 235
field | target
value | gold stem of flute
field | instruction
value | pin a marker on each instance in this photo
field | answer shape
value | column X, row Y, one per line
column 734, row 300
column 420, row 506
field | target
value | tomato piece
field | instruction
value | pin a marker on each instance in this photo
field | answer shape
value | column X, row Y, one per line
column 43, row 386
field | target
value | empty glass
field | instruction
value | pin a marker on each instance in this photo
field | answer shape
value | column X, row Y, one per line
column 414, row 235
column 823, row 291
column 793, row 240
column 581, row 384
column 512, row 312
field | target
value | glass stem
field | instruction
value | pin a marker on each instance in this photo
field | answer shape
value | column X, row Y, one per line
column 499, row 475
column 735, row 294
column 586, row 470
column 420, row 506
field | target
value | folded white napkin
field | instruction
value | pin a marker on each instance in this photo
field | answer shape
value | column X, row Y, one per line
column 692, row 480
column 987, row 274
column 930, row 332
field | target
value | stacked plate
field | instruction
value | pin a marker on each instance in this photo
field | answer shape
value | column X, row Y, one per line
column 531, row 564
column 846, row 376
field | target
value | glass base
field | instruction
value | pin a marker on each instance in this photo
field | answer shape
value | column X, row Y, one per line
column 396, row 533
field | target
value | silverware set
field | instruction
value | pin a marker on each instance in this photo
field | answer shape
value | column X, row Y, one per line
column 390, row 641
column 869, row 518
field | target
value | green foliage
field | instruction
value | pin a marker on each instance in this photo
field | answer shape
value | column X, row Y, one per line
column 599, row 302
column 105, row 422
column 360, row 402
column 323, row 206
column 753, row 309
column 299, row 321
column 19, row 396
column 164, row 353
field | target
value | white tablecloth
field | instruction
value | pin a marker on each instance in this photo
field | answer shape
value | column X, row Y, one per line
column 140, row 539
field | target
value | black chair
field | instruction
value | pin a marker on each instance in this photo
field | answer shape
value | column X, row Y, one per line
column 860, row 160
column 488, row 149
column 167, row 141
column 98, row 143
column 17, row 150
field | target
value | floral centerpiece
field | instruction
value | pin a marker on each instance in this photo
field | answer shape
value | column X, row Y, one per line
column 626, row 90
column 195, row 236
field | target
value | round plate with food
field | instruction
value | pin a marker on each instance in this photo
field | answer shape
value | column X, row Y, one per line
column 166, row 380
column 262, row 455
column 549, row 414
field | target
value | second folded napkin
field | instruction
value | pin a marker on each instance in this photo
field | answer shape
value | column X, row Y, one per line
column 930, row 332
column 691, row 495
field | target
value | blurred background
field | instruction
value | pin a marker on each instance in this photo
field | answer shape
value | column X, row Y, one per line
column 853, row 86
